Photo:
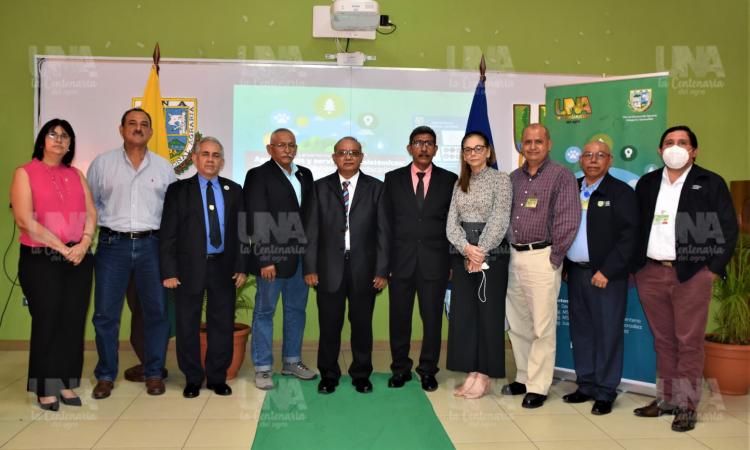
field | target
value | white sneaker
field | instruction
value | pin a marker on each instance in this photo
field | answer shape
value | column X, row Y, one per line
column 263, row 380
column 299, row 370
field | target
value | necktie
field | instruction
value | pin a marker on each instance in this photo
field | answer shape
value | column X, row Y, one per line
column 214, row 231
column 420, row 190
column 345, row 195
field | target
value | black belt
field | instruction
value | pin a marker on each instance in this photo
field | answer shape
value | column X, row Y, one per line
column 582, row 265
column 129, row 234
column 534, row 246
column 661, row 263
column 214, row 255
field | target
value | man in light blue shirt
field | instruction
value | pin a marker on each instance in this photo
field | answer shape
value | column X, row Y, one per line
column 597, row 267
column 278, row 195
column 128, row 185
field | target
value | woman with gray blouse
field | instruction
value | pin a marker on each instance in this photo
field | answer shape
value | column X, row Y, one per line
column 477, row 221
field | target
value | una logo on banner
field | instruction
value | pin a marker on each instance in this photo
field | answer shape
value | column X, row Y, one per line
column 573, row 108
column 181, row 116
column 639, row 100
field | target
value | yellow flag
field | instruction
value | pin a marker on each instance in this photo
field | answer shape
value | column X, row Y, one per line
column 152, row 104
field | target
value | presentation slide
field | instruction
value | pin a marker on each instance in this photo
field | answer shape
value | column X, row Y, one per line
column 380, row 119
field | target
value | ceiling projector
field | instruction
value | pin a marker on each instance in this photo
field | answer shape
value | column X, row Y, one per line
column 355, row 15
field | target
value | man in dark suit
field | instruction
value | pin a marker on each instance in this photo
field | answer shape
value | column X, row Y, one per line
column 277, row 195
column 347, row 258
column 417, row 199
column 200, row 252
column 688, row 230
column 597, row 266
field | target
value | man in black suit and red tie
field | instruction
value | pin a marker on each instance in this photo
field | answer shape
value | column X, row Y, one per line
column 417, row 198
column 347, row 258
column 200, row 251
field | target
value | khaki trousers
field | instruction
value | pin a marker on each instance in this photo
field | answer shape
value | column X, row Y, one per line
column 531, row 309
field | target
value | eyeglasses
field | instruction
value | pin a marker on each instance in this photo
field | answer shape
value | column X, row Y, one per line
column 344, row 153
column 477, row 149
column 429, row 145
column 284, row 146
column 597, row 155
column 64, row 136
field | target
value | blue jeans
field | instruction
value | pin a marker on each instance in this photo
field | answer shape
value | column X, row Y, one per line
column 294, row 299
column 116, row 259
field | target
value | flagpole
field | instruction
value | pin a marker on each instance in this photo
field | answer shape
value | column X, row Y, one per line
column 157, row 57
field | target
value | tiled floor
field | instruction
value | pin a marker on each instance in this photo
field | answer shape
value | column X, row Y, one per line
column 132, row 419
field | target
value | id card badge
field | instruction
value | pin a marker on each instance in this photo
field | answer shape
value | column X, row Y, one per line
column 531, row 202
column 661, row 218
column 584, row 204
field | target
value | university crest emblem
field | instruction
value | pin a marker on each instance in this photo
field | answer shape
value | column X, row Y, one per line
column 182, row 125
column 640, row 99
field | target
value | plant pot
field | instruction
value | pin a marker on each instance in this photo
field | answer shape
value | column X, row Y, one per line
column 241, row 333
column 729, row 365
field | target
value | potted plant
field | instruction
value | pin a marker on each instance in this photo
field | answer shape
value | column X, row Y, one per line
column 243, row 305
column 728, row 346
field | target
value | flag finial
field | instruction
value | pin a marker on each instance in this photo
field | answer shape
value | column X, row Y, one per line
column 157, row 57
column 482, row 69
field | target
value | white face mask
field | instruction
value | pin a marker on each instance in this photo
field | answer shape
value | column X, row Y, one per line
column 675, row 157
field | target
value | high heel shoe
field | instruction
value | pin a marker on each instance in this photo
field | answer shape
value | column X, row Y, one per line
column 468, row 383
column 73, row 401
column 479, row 389
column 54, row 406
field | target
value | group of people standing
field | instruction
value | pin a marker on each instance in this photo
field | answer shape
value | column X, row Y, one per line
column 505, row 241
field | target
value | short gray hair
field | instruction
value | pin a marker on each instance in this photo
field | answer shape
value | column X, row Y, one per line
column 210, row 139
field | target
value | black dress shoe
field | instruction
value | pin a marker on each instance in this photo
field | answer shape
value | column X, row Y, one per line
column 191, row 390
column 576, row 397
column 399, row 379
column 684, row 419
column 327, row 386
column 362, row 385
column 220, row 388
column 429, row 383
column 532, row 400
column 601, row 407
column 514, row 388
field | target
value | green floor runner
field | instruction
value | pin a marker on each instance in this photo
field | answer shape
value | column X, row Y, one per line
column 295, row 416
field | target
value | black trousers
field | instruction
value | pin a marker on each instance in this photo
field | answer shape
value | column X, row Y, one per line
column 431, row 297
column 476, row 329
column 59, row 294
column 596, row 330
column 221, row 295
column 331, row 307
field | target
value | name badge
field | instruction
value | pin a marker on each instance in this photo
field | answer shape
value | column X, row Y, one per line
column 661, row 218
column 531, row 202
column 584, row 204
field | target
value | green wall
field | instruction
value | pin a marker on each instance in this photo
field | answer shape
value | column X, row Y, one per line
column 705, row 42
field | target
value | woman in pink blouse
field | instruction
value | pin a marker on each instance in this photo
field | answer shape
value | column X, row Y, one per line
column 55, row 212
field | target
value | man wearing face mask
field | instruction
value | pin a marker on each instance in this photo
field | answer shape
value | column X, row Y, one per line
column 687, row 236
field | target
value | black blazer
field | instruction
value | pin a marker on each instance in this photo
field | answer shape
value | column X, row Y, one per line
column 705, row 227
column 419, row 239
column 275, row 219
column 612, row 227
column 182, row 236
column 369, row 233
